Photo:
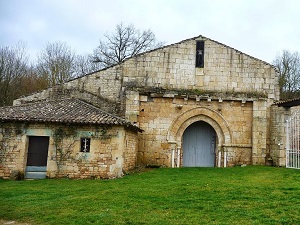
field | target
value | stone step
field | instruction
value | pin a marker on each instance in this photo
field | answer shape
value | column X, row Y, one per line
column 35, row 172
column 35, row 175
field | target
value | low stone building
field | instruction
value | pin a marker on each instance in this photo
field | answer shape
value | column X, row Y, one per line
column 65, row 138
column 198, row 102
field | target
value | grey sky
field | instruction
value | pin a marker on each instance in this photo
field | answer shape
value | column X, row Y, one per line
column 261, row 28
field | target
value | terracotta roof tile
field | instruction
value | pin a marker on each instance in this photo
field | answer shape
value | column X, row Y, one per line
column 73, row 111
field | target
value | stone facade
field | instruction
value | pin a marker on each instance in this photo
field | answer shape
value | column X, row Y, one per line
column 165, row 120
column 278, row 132
column 113, row 150
column 227, row 73
column 163, row 92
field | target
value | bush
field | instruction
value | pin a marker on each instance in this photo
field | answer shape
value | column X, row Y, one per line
column 18, row 175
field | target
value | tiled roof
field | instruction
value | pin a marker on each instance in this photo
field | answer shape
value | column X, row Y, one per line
column 288, row 103
column 70, row 111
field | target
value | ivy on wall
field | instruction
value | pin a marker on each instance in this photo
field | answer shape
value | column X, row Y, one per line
column 65, row 139
column 63, row 150
column 9, row 134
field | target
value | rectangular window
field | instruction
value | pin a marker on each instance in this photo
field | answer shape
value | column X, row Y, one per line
column 85, row 144
column 200, row 54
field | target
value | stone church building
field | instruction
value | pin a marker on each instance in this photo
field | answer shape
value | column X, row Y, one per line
column 196, row 103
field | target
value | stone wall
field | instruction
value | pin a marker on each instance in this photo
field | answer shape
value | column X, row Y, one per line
column 260, row 130
column 278, row 132
column 107, row 157
column 279, row 115
column 226, row 72
column 130, row 151
column 11, row 154
column 232, row 121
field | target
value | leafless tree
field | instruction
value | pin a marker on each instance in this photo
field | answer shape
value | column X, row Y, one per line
column 56, row 62
column 288, row 65
column 13, row 67
column 125, row 42
column 32, row 82
column 84, row 64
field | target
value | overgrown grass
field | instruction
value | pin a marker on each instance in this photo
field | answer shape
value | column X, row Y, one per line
column 239, row 195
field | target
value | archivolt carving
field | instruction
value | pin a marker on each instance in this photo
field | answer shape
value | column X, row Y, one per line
column 210, row 116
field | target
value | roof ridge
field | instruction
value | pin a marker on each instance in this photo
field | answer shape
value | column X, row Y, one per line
column 201, row 36
column 176, row 43
column 227, row 46
column 155, row 49
column 95, row 107
column 37, row 101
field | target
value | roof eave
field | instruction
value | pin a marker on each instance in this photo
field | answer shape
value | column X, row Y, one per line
column 127, row 126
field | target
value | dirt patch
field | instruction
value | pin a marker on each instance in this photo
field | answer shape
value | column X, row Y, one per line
column 12, row 222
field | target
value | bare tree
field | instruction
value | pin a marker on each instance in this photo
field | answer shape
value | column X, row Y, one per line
column 288, row 65
column 56, row 62
column 13, row 67
column 32, row 82
column 85, row 64
column 125, row 42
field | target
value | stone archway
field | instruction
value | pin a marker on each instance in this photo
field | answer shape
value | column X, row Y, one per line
column 210, row 116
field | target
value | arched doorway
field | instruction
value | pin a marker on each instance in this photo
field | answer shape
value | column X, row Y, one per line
column 199, row 144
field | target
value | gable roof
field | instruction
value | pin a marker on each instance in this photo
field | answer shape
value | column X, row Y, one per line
column 177, row 43
column 166, row 46
column 67, row 111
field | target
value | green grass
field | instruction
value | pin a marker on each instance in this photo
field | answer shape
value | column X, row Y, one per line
column 238, row 195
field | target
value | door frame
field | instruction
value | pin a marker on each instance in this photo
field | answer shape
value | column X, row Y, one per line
column 32, row 171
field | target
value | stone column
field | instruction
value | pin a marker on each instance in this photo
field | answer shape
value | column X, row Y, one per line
column 259, row 132
column 132, row 106
column 278, row 134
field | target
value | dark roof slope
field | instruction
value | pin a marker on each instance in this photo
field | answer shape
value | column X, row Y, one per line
column 70, row 111
column 288, row 103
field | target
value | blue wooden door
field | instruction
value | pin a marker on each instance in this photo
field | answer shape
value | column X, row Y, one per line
column 199, row 143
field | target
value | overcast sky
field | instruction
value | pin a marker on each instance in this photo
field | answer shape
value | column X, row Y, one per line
column 260, row 28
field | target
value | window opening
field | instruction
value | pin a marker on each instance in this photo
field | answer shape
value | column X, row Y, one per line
column 200, row 54
column 85, row 144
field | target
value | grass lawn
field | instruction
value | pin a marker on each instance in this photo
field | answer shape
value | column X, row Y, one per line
column 238, row 195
